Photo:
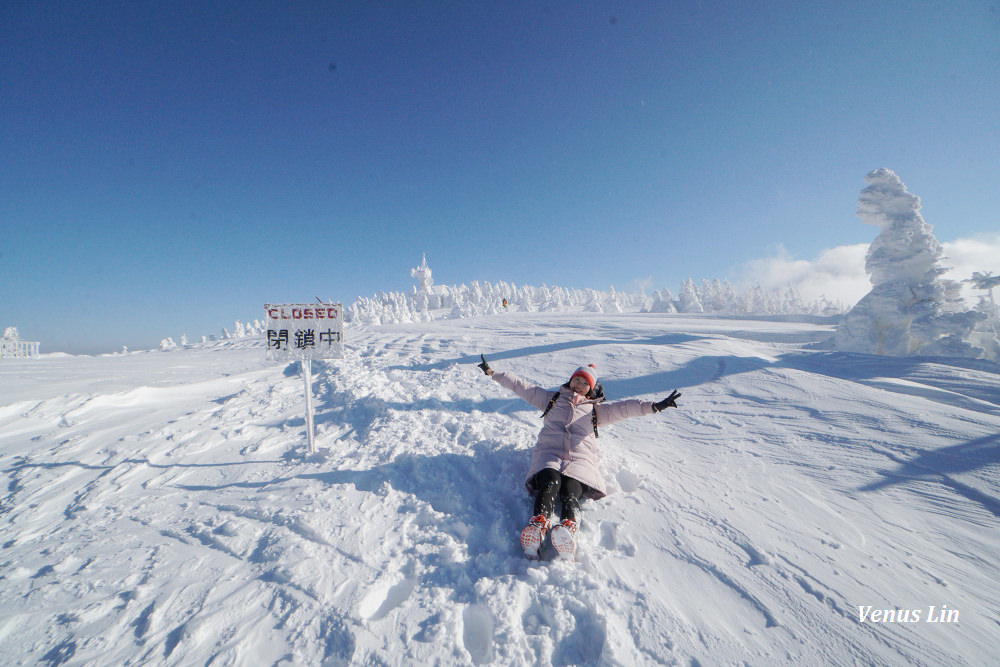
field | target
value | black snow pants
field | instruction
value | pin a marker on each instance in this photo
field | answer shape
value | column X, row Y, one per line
column 551, row 484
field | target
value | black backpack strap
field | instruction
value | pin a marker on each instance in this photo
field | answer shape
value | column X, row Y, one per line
column 552, row 401
column 593, row 415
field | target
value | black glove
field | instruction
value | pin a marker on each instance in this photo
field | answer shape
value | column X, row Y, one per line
column 669, row 402
column 485, row 366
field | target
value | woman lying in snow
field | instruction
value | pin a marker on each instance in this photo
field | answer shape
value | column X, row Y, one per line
column 565, row 463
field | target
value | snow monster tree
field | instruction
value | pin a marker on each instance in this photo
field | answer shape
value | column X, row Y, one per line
column 911, row 310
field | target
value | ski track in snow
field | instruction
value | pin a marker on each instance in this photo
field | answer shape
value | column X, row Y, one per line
column 162, row 508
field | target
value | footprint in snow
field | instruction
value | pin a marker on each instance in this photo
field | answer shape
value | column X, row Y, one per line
column 384, row 598
column 477, row 633
column 612, row 541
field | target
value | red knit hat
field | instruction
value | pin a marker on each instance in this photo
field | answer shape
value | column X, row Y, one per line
column 588, row 373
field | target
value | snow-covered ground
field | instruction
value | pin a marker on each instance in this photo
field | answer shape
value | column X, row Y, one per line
column 162, row 507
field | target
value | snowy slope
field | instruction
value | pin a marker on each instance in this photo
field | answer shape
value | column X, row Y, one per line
column 161, row 507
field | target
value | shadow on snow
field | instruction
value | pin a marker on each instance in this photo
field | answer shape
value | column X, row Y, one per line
column 503, row 355
column 939, row 464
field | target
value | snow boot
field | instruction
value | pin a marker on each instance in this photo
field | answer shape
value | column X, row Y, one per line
column 533, row 535
column 564, row 539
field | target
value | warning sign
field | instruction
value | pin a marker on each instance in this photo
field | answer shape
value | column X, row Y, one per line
column 304, row 331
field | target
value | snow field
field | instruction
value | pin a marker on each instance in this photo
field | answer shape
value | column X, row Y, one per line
column 162, row 508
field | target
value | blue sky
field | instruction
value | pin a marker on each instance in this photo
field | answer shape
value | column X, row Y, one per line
column 167, row 168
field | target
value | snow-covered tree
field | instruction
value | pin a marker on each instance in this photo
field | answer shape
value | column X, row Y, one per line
column 663, row 302
column 594, row 302
column 756, row 301
column 422, row 274
column 793, row 302
column 986, row 281
column 726, row 295
column 911, row 309
column 690, row 302
column 987, row 333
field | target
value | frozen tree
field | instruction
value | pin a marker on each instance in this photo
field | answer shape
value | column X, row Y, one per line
column 987, row 333
column 711, row 296
column 793, row 302
column 594, row 303
column 986, row 281
column 910, row 310
column 689, row 300
column 663, row 302
column 614, row 302
column 726, row 294
column 756, row 301
column 423, row 276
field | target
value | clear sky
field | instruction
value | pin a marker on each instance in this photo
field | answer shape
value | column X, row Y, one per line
column 167, row 168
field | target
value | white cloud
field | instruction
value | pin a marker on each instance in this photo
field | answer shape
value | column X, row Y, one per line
column 965, row 256
column 839, row 273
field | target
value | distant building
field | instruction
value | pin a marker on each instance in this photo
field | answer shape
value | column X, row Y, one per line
column 425, row 295
column 12, row 347
column 425, row 283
